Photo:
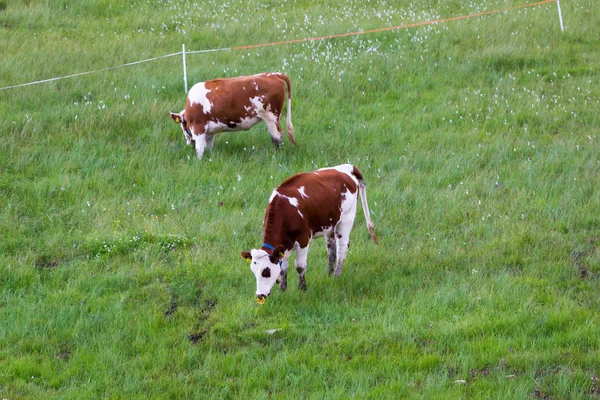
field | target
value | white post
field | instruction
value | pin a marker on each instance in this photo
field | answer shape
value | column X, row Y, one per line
column 184, row 70
column 562, row 28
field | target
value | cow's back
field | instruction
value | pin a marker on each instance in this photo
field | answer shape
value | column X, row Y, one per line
column 235, row 98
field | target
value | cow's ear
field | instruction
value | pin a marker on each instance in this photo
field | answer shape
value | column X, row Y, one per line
column 178, row 118
column 278, row 254
column 247, row 256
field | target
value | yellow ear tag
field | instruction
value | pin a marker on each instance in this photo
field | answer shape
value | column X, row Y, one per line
column 248, row 259
column 280, row 255
column 261, row 301
column 177, row 120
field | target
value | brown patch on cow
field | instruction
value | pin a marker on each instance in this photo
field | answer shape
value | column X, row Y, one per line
column 357, row 173
column 177, row 118
column 266, row 273
column 277, row 254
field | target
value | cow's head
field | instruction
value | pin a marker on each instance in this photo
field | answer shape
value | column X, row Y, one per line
column 266, row 268
column 179, row 119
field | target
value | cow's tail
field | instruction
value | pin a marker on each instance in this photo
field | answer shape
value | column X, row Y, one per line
column 288, row 121
column 362, row 190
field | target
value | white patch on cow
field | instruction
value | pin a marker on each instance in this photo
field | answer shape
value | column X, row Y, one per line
column 200, row 141
column 302, row 192
column 243, row 125
column 214, row 126
column 197, row 95
column 247, row 123
column 257, row 102
column 275, row 193
column 293, row 201
column 344, row 168
column 349, row 202
column 255, row 85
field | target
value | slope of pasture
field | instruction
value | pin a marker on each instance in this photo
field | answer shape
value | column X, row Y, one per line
column 120, row 273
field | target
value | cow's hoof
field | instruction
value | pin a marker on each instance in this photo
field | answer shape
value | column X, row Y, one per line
column 282, row 287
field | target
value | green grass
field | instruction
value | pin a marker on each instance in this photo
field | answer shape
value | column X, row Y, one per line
column 120, row 274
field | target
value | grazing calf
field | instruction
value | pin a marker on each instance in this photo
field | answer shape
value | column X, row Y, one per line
column 303, row 207
column 235, row 104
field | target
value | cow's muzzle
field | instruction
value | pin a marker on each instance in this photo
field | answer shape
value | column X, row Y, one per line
column 261, row 298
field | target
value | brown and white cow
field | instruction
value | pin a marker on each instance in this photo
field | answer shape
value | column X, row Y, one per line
column 303, row 207
column 235, row 104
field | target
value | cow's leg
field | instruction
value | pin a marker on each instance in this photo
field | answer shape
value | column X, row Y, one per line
column 331, row 251
column 283, row 276
column 273, row 126
column 342, row 244
column 342, row 241
column 210, row 141
column 300, row 264
column 200, row 145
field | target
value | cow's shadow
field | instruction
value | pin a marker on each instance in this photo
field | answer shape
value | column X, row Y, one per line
column 240, row 145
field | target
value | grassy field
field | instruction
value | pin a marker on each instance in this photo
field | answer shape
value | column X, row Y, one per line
column 120, row 267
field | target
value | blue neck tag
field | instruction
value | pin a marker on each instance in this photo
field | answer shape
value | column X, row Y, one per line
column 268, row 246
